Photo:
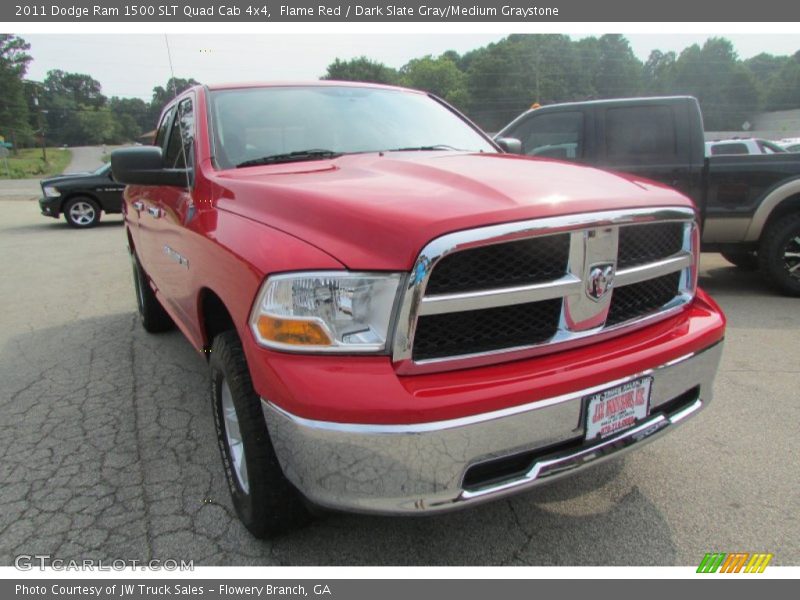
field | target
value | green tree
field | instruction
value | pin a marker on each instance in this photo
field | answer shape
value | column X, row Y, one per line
column 658, row 73
column 439, row 76
column 131, row 116
column 361, row 69
column 494, row 95
column 725, row 88
column 765, row 67
column 784, row 91
column 610, row 69
column 14, row 114
column 508, row 76
column 79, row 88
column 75, row 108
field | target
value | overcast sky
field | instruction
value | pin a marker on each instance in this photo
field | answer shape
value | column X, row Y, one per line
column 131, row 65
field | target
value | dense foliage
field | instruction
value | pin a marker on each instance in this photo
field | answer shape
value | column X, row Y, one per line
column 495, row 83
column 492, row 84
column 70, row 108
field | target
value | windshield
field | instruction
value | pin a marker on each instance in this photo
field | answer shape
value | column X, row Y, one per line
column 323, row 121
column 102, row 169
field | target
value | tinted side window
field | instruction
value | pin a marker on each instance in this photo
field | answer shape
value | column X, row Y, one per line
column 735, row 148
column 163, row 128
column 555, row 135
column 179, row 146
column 641, row 132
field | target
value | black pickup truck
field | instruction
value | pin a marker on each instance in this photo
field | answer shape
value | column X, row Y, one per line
column 750, row 204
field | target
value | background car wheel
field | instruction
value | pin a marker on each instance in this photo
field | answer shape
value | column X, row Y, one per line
column 747, row 261
column 153, row 316
column 264, row 499
column 82, row 212
column 779, row 255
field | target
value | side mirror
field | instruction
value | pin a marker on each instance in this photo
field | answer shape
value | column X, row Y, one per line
column 509, row 145
column 144, row 165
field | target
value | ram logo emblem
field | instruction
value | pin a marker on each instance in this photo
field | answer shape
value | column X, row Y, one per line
column 600, row 281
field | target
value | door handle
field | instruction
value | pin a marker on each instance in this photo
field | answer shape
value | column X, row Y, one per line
column 138, row 205
column 154, row 211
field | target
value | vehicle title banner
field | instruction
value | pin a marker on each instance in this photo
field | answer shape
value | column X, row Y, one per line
column 514, row 11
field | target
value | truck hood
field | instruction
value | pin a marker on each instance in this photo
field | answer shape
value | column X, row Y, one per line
column 376, row 211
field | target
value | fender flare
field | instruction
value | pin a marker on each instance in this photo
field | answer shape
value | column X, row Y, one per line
column 771, row 201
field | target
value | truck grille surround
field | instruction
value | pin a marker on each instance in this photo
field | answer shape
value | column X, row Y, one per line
column 509, row 291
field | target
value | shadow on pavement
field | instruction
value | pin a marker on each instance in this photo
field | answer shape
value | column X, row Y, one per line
column 735, row 281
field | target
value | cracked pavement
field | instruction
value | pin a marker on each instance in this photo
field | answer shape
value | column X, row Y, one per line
column 107, row 445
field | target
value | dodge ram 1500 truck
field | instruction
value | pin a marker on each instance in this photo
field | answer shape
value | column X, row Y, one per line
column 749, row 205
column 399, row 318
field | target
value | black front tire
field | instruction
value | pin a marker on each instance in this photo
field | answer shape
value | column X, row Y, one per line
column 265, row 501
column 746, row 261
column 152, row 315
column 81, row 212
column 779, row 254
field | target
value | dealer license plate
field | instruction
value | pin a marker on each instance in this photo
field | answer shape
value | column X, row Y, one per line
column 617, row 408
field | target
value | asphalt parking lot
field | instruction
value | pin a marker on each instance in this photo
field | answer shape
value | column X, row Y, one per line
column 107, row 447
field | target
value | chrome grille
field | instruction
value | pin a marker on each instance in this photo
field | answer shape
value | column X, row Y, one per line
column 641, row 244
column 519, row 289
column 501, row 265
column 486, row 330
column 632, row 301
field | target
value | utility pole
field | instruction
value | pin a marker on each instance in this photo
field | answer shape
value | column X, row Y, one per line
column 41, row 128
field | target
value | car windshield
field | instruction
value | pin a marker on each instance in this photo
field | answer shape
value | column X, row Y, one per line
column 285, row 124
column 102, row 169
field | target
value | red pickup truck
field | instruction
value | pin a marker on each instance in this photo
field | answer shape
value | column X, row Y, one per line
column 399, row 317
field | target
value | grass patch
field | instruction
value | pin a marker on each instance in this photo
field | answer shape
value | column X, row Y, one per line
column 28, row 164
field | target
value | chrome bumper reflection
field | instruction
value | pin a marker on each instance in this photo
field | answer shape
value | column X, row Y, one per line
column 411, row 469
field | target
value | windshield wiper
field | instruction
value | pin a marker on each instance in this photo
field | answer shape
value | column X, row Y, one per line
column 424, row 148
column 297, row 156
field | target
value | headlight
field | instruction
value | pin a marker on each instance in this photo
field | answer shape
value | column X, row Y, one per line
column 51, row 192
column 325, row 311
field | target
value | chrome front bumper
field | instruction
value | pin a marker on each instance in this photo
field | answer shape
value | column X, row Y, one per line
column 420, row 468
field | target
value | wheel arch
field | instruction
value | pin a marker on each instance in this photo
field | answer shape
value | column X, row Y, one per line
column 215, row 317
column 779, row 202
column 81, row 194
column 790, row 205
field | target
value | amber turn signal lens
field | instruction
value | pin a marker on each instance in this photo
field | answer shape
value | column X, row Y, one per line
column 288, row 331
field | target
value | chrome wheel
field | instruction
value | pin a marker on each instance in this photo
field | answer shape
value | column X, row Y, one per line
column 233, row 436
column 791, row 257
column 82, row 213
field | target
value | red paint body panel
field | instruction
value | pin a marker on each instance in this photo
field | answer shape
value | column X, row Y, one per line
column 351, row 389
column 375, row 212
column 393, row 204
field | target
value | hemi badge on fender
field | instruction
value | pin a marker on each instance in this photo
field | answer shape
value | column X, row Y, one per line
column 176, row 256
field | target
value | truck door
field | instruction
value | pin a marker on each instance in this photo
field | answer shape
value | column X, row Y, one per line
column 650, row 140
column 142, row 200
column 173, row 209
column 560, row 134
column 109, row 192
